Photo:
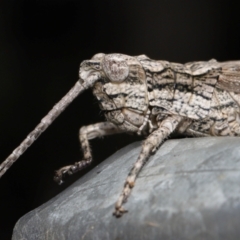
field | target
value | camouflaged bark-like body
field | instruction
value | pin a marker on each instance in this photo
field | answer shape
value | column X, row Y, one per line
column 205, row 94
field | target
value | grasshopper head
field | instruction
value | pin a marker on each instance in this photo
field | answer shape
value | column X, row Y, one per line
column 112, row 66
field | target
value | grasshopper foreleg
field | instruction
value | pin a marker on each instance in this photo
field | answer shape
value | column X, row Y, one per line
column 85, row 134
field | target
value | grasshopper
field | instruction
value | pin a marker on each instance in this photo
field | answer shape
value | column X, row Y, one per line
column 152, row 98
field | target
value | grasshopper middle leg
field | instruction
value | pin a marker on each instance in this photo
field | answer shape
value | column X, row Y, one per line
column 165, row 128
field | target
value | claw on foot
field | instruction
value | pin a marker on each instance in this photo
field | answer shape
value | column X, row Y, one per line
column 119, row 212
column 60, row 174
column 69, row 170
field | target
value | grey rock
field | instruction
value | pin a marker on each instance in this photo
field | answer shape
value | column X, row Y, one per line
column 190, row 189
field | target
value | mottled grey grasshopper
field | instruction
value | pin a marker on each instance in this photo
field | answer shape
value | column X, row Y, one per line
column 152, row 98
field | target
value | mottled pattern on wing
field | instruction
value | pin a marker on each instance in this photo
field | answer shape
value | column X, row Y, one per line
column 184, row 89
column 229, row 79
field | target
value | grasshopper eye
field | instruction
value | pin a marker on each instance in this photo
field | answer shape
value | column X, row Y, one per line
column 89, row 65
column 115, row 67
column 96, row 66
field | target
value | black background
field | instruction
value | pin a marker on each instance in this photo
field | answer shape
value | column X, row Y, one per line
column 41, row 46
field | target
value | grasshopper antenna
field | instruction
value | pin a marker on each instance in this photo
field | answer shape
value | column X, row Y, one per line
column 44, row 124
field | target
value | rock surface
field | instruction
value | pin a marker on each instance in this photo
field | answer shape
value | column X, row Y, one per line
column 190, row 189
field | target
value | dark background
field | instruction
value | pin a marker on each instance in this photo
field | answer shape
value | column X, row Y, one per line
column 41, row 46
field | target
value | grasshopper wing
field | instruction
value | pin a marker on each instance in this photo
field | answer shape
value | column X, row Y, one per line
column 229, row 79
